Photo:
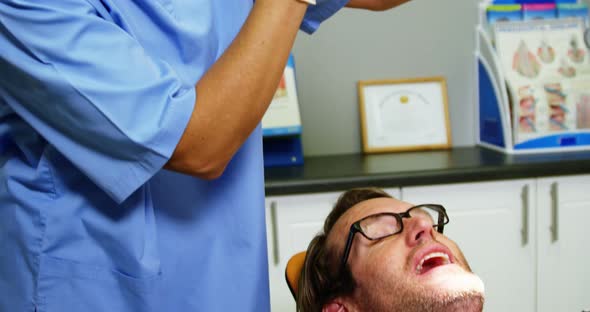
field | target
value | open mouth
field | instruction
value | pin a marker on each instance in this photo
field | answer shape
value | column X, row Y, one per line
column 431, row 261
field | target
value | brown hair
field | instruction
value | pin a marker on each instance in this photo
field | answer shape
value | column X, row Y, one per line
column 321, row 279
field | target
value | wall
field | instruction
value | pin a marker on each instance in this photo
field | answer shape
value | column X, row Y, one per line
column 421, row 38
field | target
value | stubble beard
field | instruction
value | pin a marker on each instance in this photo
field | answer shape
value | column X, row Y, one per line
column 407, row 296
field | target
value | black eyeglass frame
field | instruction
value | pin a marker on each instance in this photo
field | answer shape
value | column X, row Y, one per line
column 443, row 219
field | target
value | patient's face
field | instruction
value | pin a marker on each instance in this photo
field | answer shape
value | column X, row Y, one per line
column 418, row 269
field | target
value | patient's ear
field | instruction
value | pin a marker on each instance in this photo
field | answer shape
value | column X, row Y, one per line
column 336, row 305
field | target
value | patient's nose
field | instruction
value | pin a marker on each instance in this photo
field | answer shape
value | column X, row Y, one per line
column 417, row 230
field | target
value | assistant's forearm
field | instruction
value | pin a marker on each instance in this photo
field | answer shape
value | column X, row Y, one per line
column 236, row 91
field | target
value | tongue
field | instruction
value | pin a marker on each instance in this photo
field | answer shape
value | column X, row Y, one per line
column 431, row 264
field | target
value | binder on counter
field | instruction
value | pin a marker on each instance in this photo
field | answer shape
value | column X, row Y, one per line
column 281, row 124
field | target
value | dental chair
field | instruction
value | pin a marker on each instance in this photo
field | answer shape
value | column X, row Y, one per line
column 293, row 272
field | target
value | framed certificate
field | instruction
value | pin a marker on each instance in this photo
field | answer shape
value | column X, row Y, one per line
column 404, row 115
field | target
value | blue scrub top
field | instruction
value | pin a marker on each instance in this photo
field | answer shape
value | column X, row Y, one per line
column 94, row 97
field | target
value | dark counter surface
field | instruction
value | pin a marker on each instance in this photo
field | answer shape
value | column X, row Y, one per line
column 465, row 164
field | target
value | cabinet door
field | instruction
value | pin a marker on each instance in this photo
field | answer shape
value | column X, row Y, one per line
column 492, row 223
column 292, row 222
column 564, row 244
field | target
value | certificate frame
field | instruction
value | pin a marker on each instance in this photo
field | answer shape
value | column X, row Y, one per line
column 404, row 115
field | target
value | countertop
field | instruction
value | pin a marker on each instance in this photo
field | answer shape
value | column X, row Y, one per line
column 463, row 164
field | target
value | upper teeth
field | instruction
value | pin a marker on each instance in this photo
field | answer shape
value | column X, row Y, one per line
column 430, row 256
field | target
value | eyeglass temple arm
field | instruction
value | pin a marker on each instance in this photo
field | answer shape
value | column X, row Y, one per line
column 441, row 221
column 347, row 248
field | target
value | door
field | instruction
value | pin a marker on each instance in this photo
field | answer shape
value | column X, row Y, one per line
column 564, row 244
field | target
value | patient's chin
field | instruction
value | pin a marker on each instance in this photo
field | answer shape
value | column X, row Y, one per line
column 464, row 302
column 453, row 280
column 467, row 282
column 459, row 292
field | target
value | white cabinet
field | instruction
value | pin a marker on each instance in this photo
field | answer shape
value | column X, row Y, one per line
column 292, row 222
column 548, row 270
column 529, row 240
column 493, row 223
column 564, row 244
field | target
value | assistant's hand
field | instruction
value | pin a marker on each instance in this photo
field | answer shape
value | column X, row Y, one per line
column 375, row 5
column 316, row 14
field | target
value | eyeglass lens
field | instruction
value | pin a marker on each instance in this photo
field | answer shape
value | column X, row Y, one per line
column 382, row 225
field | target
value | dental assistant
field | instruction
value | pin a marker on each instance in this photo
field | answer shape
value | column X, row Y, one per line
column 131, row 174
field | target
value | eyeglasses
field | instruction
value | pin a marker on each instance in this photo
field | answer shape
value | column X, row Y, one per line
column 385, row 224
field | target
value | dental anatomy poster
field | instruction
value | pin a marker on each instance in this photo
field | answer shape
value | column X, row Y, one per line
column 547, row 70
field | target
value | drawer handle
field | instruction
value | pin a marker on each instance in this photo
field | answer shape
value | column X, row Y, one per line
column 275, row 233
column 525, row 215
column 554, row 212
